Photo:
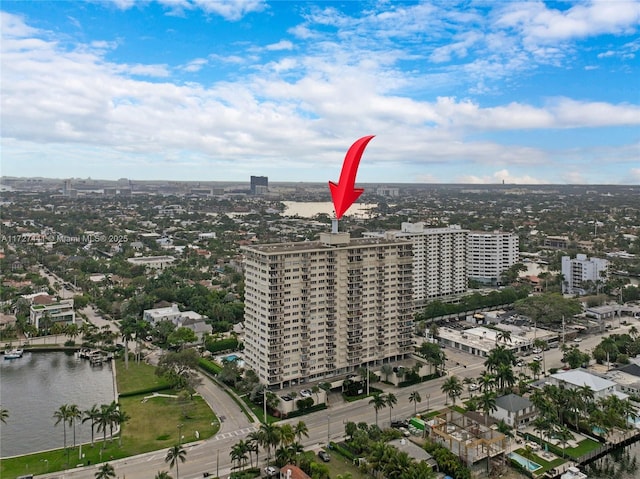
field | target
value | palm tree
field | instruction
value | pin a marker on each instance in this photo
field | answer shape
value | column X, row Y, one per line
column 269, row 437
column 391, row 401
column 415, row 398
column 378, row 402
column 452, row 387
column 504, row 336
column 92, row 415
column 239, row 453
column 300, row 430
column 61, row 415
column 487, row 404
column 74, row 415
column 103, row 421
column 119, row 418
column 254, row 440
column 163, row 475
column 105, row 471
column 287, row 434
column 4, row 414
column 175, row 454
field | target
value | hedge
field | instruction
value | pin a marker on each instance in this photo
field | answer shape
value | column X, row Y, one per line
column 228, row 344
column 209, row 366
column 148, row 390
column 298, row 412
column 342, row 451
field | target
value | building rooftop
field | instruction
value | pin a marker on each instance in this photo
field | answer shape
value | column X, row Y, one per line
column 513, row 402
column 580, row 377
column 321, row 245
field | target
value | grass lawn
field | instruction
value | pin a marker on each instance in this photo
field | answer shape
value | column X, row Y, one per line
column 582, row 448
column 140, row 376
column 341, row 465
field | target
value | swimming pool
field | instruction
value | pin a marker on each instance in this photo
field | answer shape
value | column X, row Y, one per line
column 524, row 462
column 231, row 357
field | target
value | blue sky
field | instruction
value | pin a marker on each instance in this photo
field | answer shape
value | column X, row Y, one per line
column 455, row 92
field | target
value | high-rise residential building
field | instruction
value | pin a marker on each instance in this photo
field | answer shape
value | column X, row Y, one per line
column 581, row 270
column 259, row 185
column 489, row 254
column 315, row 310
column 439, row 260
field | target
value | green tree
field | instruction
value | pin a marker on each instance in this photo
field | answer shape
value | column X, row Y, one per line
column 452, row 388
column 62, row 415
column 391, row 400
column 175, row 455
column 415, row 398
column 163, row 475
column 4, row 414
column 487, row 402
column 105, row 471
column 378, row 401
column 92, row 415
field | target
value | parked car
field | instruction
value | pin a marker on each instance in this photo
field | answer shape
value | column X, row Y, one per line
column 324, row 455
column 577, row 340
column 398, row 424
column 405, row 432
column 537, row 358
column 270, row 471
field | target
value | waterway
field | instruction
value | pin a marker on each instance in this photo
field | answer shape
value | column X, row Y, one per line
column 312, row 208
column 33, row 387
column 622, row 463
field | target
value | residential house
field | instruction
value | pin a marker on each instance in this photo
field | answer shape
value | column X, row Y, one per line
column 514, row 410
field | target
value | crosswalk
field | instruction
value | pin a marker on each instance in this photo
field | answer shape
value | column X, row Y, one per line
column 236, row 433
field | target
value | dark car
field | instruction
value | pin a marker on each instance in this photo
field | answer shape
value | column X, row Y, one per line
column 397, row 424
column 324, row 455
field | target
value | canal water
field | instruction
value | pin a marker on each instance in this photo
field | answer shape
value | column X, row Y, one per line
column 33, row 387
column 622, row 463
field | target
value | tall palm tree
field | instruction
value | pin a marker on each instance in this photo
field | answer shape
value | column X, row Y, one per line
column 269, row 437
column 176, row 454
column 391, row 401
column 4, row 414
column 452, row 387
column 74, row 415
column 92, row 415
column 61, row 415
column 415, row 398
column 378, row 402
column 487, row 404
column 255, row 440
column 119, row 418
column 287, row 434
column 301, row 429
column 239, row 453
column 163, row 475
column 104, row 421
column 105, row 471
column 504, row 336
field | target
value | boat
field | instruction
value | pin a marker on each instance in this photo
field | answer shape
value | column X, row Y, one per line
column 13, row 353
column 573, row 473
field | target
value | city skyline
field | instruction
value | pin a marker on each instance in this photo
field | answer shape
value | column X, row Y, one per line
column 188, row 90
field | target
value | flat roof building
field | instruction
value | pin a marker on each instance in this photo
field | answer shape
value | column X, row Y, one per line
column 439, row 260
column 319, row 309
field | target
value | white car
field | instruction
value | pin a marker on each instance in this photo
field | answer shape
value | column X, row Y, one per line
column 537, row 358
column 270, row 471
column 577, row 340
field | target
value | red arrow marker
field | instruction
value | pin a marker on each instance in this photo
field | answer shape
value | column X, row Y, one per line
column 344, row 193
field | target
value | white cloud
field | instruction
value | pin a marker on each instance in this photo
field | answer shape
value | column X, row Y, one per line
column 281, row 45
column 195, row 65
column 538, row 23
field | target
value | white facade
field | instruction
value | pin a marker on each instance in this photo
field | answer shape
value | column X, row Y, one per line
column 439, row 260
column 581, row 269
column 61, row 312
column 315, row 310
column 514, row 410
column 490, row 254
